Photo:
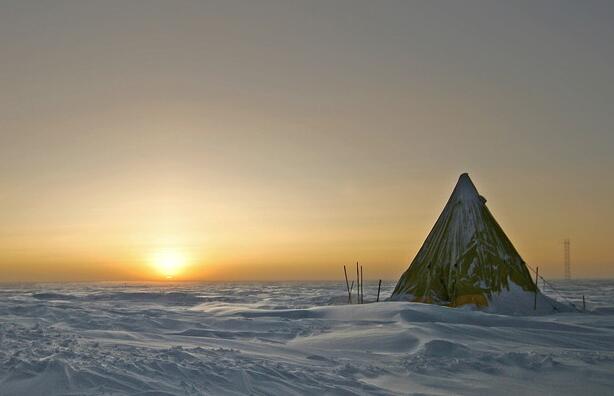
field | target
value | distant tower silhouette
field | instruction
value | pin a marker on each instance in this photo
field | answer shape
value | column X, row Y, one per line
column 567, row 259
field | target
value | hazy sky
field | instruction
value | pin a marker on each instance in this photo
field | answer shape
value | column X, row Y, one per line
column 283, row 139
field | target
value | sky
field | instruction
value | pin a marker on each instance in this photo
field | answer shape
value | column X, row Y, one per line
column 279, row 140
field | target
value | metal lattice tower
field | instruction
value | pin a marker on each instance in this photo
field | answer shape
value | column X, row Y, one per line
column 567, row 259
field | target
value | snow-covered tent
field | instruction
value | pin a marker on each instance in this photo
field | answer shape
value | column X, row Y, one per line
column 468, row 259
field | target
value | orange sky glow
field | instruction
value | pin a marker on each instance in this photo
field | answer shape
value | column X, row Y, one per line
column 207, row 141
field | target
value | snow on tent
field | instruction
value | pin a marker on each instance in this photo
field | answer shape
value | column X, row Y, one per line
column 468, row 260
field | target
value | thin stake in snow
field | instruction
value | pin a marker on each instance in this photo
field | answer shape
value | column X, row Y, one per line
column 555, row 290
column 378, row 289
column 536, row 279
column 357, row 285
column 362, row 287
column 347, row 284
column 583, row 304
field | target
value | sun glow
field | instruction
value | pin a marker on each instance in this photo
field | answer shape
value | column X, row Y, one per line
column 169, row 262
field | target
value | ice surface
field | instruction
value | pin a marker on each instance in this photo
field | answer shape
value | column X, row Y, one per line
column 292, row 338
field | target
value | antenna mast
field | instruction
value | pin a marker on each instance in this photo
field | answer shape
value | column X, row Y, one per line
column 567, row 259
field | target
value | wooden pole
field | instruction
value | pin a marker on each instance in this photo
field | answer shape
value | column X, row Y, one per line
column 357, row 285
column 378, row 289
column 583, row 303
column 362, row 287
column 348, row 285
column 536, row 279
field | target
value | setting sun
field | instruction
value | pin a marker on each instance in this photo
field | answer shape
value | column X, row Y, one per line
column 169, row 262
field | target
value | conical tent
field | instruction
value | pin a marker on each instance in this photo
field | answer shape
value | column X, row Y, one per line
column 466, row 258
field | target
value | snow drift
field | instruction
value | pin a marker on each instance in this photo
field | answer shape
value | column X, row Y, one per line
column 262, row 339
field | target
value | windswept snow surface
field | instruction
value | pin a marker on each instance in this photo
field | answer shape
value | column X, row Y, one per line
column 292, row 338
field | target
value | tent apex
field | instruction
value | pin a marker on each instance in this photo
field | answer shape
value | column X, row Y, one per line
column 465, row 188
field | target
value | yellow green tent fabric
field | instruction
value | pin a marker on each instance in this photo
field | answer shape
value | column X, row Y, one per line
column 466, row 258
